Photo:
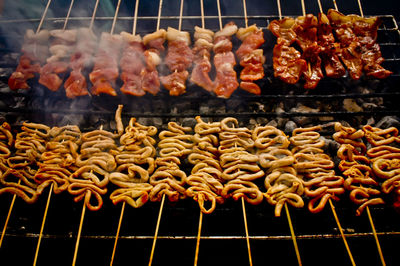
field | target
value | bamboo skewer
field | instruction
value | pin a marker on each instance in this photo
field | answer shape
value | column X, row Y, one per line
column 19, row 181
column 341, row 233
column 124, row 203
column 296, row 248
column 278, row 2
column 376, row 237
column 335, row 5
column 78, row 237
column 196, row 255
column 245, row 14
column 180, row 16
column 94, row 14
column 156, row 232
column 247, row 232
column 219, row 14
column 361, row 9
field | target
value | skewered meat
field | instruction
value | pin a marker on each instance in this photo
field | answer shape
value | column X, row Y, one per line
column 34, row 53
column 61, row 48
column 81, row 59
column 225, row 82
column 239, row 166
column 251, row 58
column 315, row 167
column 105, row 70
column 95, row 163
column 30, row 144
column 179, row 58
column 281, row 179
column 154, row 43
column 205, row 178
column 360, row 179
column 168, row 179
column 202, row 66
column 135, row 164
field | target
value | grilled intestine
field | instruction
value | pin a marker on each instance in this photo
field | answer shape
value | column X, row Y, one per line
column 251, row 58
column 57, row 163
column 29, row 144
column 81, row 59
column 135, row 163
column 360, row 179
column 202, row 52
column 239, row 165
column 34, row 50
column 281, row 180
column 168, row 179
column 205, row 180
column 105, row 71
column 315, row 167
column 61, row 47
column 95, row 163
column 225, row 82
column 384, row 155
column 179, row 58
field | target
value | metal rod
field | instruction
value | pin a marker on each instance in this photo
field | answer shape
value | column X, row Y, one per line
column 43, row 223
column 67, row 17
column 43, row 16
column 245, row 14
column 94, row 14
column 219, row 15
column 278, row 2
column 361, row 9
column 180, row 16
column 8, row 216
column 135, row 17
column 303, row 7
column 296, row 248
column 78, row 237
column 196, row 256
column 117, row 235
column 341, row 232
column 115, row 17
column 320, row 6
column 247, row 232
column 156, row 232
column 203, row 24
column 376, row 237
column 159, row 14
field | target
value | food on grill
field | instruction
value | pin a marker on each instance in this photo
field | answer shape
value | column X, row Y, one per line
column 315, row 167
column 385, row 158
column 240, row 167
column 6, row 142
column 287, row 62
column 251, row 58
column 306, row 28
column 105, row 71
column 179, row 58
column 61, row 47
column 81, row 59
column 202, row 53
column 135, row 163
column 95, row 163
column 175, row 144
column 34, row 53
column 360, row 179
column 225, row 82
column 58, row 161
column 330, row 49
column 205, row 178
column 29, row 144
column 277, row 160
column 357, row 37
column 154, row 43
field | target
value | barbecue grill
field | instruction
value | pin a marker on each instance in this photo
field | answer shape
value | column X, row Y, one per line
column 223, row 238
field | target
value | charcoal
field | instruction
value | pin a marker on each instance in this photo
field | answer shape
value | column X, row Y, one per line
column 290, row 126
column 204, row 109
column 189, row 122
column 370, row 121
column 157, row 122
column 302, row 121
column 388, row 121
column 233, row 103
column 350, row 105
column 272, row 123
column 262, row 120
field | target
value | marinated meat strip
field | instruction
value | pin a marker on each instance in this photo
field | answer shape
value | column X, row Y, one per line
column 61, row 48
column 105, row 70
column 225, row 82
column 179, row 58
column 251, row 58
column 34, row 50
column 81, row 60
column 202, row 53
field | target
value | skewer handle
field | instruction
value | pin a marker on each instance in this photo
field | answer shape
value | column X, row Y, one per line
column 196, row 255
column 156, row 232
column 43, row 16
column 94, row 14
column 117, row 235
column 78, row 238
column 296, row 248
column 376, row 237
column 8, row 216
column 69, row 13
column 247, row 232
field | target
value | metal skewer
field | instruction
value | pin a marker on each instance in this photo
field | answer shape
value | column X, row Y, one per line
column 296, row 248
column 124, row 203
column 19, row 181
column 163, row 197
